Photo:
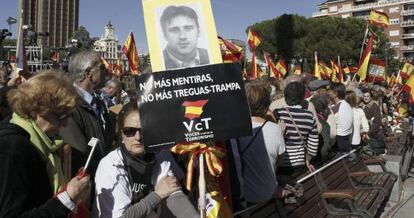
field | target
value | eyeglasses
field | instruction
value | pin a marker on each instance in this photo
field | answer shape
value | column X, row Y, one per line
column 131, row 131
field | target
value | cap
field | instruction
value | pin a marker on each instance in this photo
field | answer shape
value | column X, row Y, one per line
column 317, row 84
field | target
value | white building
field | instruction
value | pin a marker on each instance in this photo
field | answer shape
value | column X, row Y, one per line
column 108, row 46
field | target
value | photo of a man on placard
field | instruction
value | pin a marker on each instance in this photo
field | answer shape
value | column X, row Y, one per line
column 181, row 30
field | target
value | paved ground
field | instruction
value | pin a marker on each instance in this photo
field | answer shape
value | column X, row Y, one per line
column 406, row 206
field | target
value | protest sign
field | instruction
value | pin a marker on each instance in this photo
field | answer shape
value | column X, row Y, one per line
column 193, row 104
column 180, row 34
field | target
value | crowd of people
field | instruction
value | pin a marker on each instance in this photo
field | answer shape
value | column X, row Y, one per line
column 298, row 123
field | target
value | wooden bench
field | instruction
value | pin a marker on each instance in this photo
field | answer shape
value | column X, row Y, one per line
column 262, row 210
column 367, row 200
column 362, row 177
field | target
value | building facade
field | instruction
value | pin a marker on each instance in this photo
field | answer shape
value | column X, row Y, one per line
column 400, row 32
column 58, row 18
column 108, row 46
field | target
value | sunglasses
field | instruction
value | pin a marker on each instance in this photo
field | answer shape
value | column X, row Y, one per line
column 131, row 131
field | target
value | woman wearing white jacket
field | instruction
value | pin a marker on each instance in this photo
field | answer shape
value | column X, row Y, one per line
column 361, row 125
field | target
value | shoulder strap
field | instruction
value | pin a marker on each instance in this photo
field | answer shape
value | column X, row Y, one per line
column 254, row 137
column 296, row 127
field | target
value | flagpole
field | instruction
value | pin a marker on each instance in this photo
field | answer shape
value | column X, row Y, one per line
column 202, row 187
column 339, row 73
column 362, row 48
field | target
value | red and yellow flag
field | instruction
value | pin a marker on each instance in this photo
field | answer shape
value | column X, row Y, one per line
column 281, row 67
column 253, row 39
column 406, row 70
column 272, row 68
column 363, row 63
column 130, row 51
column 193, row 109
column 409, row 88
column 230, row 52
column 253, row 67
column 324, row 70
column 379, row 18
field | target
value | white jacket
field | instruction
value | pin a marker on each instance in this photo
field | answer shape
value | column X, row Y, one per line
column 360, row 121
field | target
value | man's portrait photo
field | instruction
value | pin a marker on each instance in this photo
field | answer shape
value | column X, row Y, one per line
column 181, row 30
column 180, row 35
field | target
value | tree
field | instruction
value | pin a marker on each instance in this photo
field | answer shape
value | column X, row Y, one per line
column 83, row 41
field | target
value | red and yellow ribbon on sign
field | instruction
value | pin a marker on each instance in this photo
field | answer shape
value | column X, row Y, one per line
column 212, row 157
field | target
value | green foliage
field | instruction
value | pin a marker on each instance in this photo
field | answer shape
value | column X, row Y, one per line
column 296, row 38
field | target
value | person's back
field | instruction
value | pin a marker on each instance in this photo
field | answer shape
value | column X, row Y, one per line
column 296, row 146
column 258, row 158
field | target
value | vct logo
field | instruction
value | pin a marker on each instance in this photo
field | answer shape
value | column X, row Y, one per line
column 193, row 110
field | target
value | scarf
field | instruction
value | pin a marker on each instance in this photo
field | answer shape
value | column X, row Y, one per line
column 48, row 149
column 140, row 170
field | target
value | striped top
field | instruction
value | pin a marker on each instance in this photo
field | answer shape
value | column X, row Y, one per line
column 295, row 150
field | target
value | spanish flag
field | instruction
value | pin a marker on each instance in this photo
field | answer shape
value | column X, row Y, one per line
column 378, row 18
column 281, row 67
column 363, row 63
column 253, row 39
column 409, row 88
column 325, row 71
column 230, row 52
column 130, row 51
column 193, row 109
column 407, row 70
column 272, row 68
column 253, row 67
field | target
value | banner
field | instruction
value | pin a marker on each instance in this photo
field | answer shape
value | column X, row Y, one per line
column 193, row 104
column 180, row 34
column 376, row 71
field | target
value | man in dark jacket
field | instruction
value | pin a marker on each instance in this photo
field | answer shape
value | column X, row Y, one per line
column 88, row 120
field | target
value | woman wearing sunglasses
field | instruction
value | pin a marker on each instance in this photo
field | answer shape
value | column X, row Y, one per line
column 30, row 160
column 131, row 182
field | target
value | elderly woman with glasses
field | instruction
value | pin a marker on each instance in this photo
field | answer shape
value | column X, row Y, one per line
column 30, row 163
column 131, row 182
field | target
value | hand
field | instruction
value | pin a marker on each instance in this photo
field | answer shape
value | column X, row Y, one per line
column 310, row 166
column 166, row 186
column 79, row 189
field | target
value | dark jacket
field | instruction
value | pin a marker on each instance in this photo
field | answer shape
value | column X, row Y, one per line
column 25, row 189
column 373, row 112
column 170, row 64
column 81, row 126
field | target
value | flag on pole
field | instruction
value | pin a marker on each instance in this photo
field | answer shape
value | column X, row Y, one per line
column 406, row 70
column 118, row 68
column 272, row 68
column 130, row 51
column 409, row 89
column 253, row 67
column 335, row 70
column 379, row 18
column 230, row 52
column 281, row 67
column 324, row 71
column 363, row 63
column 253, row 39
